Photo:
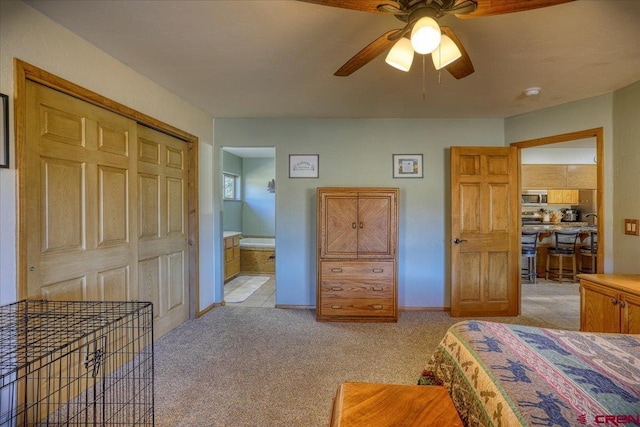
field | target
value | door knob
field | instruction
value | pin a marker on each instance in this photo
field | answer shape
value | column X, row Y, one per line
column 458, row 241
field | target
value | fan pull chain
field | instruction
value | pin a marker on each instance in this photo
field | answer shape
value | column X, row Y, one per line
column 424, row 90
column 440, row 62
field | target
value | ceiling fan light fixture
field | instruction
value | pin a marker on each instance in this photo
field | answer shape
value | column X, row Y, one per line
column 401, row 55
column 446, row 52
column 425, row 35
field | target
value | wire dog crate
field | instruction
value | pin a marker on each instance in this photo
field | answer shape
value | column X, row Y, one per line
column 76, row 364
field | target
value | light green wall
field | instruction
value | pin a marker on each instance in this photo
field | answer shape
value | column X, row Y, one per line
column 358, row 152
column 626, row 135
column 259, row 206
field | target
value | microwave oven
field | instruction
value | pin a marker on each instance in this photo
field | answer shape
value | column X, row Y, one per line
column 534, row 198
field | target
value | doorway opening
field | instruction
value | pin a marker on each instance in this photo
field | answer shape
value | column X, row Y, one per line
column 571, row 165
column 248, row 224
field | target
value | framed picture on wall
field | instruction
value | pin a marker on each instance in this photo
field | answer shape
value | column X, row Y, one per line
column 407, row 166
column 4, row 131
column 303, row 165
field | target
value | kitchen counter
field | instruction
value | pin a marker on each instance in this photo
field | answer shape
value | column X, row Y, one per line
column 552, row 226
column 230, row 233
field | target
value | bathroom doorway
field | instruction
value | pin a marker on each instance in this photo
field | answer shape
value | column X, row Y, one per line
column 248, row 224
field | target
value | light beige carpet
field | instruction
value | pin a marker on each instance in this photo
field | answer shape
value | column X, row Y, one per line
column 243, row 287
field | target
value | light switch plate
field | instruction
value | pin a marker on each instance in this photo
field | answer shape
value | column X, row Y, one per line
column 631, row 227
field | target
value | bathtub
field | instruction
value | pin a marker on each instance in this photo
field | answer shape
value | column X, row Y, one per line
column 258, row 242
column 258, row 255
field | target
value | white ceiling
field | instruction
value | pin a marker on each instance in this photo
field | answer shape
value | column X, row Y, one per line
column 270, row 58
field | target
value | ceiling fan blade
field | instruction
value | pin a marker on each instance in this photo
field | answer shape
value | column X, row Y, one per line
column 361, row 5
column 461, row 67
column 499, row 7
column 369, row 53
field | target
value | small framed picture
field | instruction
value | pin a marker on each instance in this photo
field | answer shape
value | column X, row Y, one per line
column 303, row 165
column 4, row 131
column 407, row 166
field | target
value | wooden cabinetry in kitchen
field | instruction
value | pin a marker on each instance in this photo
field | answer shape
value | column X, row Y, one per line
column 610, row 303
column 582, row 176
column 562, row 196
column 559, row 176
column 231, row 256
column 357, row 254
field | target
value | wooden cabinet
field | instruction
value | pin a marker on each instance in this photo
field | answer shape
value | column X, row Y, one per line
column 559, row 176
column 582, row 176
column 610, row 303
column 563, row 196
column 231, row 256
column 543, row 176
column 357, row 254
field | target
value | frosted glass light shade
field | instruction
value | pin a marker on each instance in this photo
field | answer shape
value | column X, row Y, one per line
column 401, row 55
column 425, row 36
column 445, row 53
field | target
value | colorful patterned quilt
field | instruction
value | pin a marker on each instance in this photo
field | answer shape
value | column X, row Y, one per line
column 510, row 375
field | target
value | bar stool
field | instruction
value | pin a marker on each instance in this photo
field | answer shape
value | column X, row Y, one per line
column 590, row 250
column 529, row 245
column 565, row 247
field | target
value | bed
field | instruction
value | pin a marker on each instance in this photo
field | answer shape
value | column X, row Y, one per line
column 510, row 375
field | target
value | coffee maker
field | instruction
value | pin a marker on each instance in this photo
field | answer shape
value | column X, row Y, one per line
column 570, row 215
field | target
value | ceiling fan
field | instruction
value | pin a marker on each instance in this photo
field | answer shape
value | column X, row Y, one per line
column 426, row 36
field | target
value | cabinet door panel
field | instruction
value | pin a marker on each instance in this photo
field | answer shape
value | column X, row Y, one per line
column 375, row 226
column 582, row 176
column 599, row 311
column 630, row 314
column 340, row 233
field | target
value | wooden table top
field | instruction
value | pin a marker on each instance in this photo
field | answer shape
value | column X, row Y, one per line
column 378, row 405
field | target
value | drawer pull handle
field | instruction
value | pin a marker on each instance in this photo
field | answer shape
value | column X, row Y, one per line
column 377, row 306
column 378, row 288
column 378, row 270
column 353, row 225
column 336, row 288
column 614, row 301
column 622, row 304
column 336, row 270
column 336, row 307
column 361, row 224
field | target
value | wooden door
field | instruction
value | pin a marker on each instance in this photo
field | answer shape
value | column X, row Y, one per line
column 485, row 251
column 376, row 225
column 81, row 231
column 338, row 232
column 163, row 263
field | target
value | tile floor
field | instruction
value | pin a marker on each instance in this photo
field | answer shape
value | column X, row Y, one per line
column 554, row 305
column 265, row 296
column 551, row 303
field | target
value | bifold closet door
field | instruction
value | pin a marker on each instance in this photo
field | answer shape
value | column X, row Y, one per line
column 106, row 208
column 81, row 232
column 163, row 264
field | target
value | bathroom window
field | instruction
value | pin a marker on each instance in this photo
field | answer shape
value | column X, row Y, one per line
column 231, row 187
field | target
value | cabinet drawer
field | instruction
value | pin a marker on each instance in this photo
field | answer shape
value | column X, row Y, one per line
column 356, row 290
column 357, row 270
column 361, row 307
